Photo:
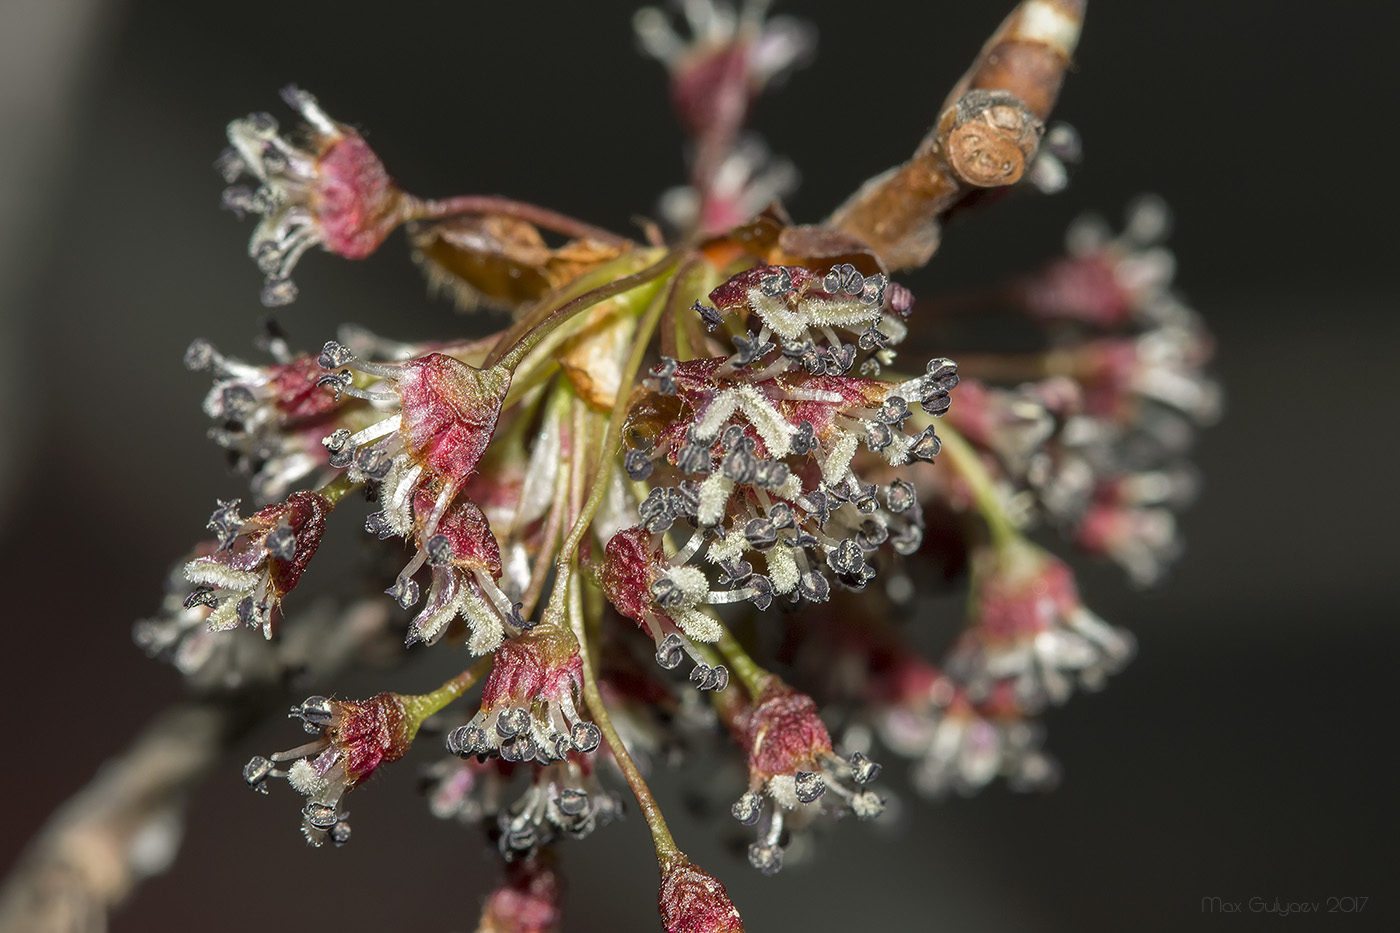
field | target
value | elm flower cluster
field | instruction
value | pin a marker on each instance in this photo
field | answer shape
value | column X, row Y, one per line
column 738, row 440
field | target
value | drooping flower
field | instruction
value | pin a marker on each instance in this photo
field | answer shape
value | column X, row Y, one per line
column 889, row 692
column 179, row 634
column 322, row 187
column 271, row 418
column 258, row 561
column 792, row 767
column 643, row 586
column 564, row 797
column 1109, row 478
column 528, row 704
column 961, row 746
column 465, row 560
column 1140, row 538
column 1029, row 629
column 528, row 723
column 354, row 739
column 444, row 416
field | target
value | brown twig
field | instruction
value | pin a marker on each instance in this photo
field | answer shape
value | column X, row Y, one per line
column 542, row 217
column 985, row 137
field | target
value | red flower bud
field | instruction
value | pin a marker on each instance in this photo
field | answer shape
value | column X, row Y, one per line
column 693, row 901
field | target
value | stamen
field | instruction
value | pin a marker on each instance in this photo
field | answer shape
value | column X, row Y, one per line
column 684, row 555
column 863, row 770
column 638, row 465
column 405, row 592
column 810, row 786
column 281, row 543
column 256, row 772
column 225, row 522
column 670, row 651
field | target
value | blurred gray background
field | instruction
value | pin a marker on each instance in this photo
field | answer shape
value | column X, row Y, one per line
column 1247, row 752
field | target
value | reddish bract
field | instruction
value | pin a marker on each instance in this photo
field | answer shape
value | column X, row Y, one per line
column 545, row 666
column 694, row 901
column 528, row 902
column 364, row 735
column 354, row 199
column 626, row 576
column 305, row 514
column 298, row 390
column 449, row 413
column 782, row 733
column 467, row 530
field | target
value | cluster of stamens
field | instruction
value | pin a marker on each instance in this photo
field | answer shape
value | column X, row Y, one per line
column 760, row 456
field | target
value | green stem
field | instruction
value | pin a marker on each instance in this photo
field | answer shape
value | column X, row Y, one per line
column 607, row 454
column 338, row 489
column 754, row 678
column 420, row 707
column 625, row 264
column 665, row 844
column 969, row 466
column 511, row 357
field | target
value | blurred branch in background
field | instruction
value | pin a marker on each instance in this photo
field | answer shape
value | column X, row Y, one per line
column 126, row 824
column 122, row 828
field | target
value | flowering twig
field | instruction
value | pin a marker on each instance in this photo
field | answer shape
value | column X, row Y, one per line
column 667, row 428
column 123, row 827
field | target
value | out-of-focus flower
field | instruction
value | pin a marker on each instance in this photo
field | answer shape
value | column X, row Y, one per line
column 963, row 745
column 749, row 179
column 324, row 186
column 1030, row 630
column 528, row 901
column 729, row 58
column 179, row 634
column 1108, row 281
column 271, row 418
